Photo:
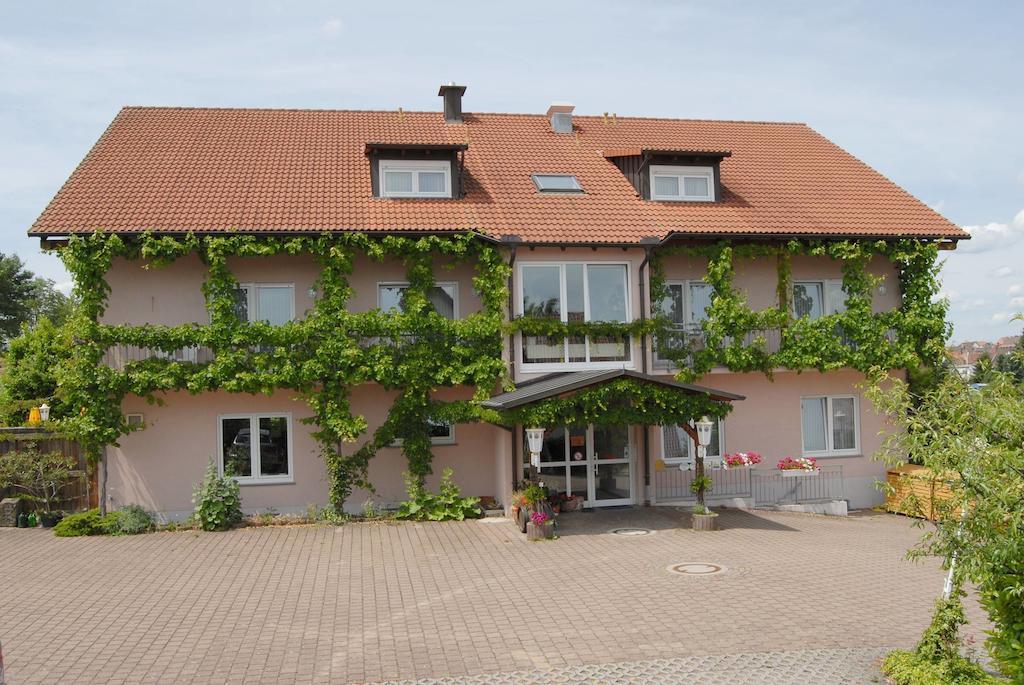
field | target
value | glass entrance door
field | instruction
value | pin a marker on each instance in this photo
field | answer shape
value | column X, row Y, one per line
column 592, row 462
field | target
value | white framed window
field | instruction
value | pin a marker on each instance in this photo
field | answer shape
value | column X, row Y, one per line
column 270, row 302
column 677, row 446
column 440, row 434
column 830, row 425
column 685, row 304
column 574, row 291
column 255, row 448
column 444, row 297
column 815, row 299
column 682, row 183
column 415, row 178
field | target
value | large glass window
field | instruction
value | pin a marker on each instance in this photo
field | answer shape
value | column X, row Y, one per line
column 256, row 447
column 575, row 292
column 443, row 296
column 686, row 305
column 829, row 425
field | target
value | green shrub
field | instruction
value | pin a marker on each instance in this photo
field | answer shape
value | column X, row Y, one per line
column 447, row 505
column 129, row 520
column 86, row 523
column 911, row 668
column 217, row 500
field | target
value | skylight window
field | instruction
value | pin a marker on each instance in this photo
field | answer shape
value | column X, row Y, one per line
column 557, row 183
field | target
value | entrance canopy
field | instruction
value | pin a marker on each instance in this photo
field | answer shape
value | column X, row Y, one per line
column 613, row 397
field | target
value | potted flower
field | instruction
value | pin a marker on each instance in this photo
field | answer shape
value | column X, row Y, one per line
column 703, row 518
column 740, row 460
column 540, row 527
column 795, row 468
column 40, row 476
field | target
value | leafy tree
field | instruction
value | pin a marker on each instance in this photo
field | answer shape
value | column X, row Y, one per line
column 1013, row 362
column 16, row 290
column 982, row 372
column 28, row 376
column 975, row 440
column 25, row 298
column 41, row 476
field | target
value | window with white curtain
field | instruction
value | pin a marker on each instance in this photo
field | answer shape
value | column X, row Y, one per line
column 443, row 296
column 830, row 425
column 575, row 291
column 270, row 302
column 415, row 178
column 677, row 445
column 682, row 183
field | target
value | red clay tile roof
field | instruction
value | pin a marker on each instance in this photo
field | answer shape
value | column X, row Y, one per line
column 205, row 170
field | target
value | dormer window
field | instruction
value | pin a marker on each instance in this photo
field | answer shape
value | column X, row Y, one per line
column 683, row 183
column 415, row 178
column 557, row 183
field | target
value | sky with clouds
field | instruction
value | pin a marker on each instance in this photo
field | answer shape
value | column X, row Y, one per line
column 928, row 93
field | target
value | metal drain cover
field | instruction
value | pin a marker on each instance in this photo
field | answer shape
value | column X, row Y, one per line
column 696, row 568
column 630, row 531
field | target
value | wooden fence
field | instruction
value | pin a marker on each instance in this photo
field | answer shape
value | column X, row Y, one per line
column 82, row 491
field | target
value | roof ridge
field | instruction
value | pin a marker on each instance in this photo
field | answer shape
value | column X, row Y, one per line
column 467, row 112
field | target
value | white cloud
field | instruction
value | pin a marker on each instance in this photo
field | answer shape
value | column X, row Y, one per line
column 994, row 235
column 938, row 206
column 1002, row 271
column 1015, row 289
column 64, row 287
column 1002, row 317
column 331, row 27
column 1020, row 178
column 1017, row 302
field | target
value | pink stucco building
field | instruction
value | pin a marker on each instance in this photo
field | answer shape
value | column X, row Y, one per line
column 578, row 205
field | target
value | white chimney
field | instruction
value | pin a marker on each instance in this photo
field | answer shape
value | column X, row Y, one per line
column 560, row 115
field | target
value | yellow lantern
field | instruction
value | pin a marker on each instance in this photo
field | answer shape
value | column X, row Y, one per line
column 33, row 417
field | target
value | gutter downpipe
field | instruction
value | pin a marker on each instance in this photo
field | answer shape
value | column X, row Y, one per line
column 512, row 357
column 643, row 365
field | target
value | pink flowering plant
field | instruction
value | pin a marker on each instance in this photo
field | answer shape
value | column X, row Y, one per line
column 798, row 464
column 741, row 459
column 539, row 518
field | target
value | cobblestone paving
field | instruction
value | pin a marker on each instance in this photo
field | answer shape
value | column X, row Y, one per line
column 377, row 602
column 772, row 668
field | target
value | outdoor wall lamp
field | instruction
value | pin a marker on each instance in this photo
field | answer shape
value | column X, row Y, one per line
column 44, row 412
column 535, row 439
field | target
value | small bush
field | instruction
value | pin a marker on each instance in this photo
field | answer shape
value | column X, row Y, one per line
column 217, row 500
column 129, row 520
column 447, row 505
column 911, row 668
column 86, row 523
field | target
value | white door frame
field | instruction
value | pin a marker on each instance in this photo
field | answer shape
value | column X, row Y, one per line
column 592, row 463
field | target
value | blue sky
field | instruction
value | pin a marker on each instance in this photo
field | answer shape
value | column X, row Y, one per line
column 928, row 93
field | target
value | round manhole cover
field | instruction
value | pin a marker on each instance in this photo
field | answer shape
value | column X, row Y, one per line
column 630, row 531
column 696, row 568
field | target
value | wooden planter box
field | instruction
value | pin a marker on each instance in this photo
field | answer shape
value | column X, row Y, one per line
column 917, row 491
column 704, row 521
column 545, row 531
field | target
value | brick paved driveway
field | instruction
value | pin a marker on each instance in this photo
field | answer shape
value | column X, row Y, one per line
column 373, row 602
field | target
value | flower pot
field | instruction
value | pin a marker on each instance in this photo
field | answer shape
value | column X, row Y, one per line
column 704, row 521
column 22, row 520
column 522, row 518
column 50, row 518
column 798, row 473
column 543, row 531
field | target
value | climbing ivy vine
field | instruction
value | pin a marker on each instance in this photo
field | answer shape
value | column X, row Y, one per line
column 320, row 357
column 411, row 353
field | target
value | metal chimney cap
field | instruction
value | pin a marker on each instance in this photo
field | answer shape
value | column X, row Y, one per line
column 560, row 107
column 450, row 86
